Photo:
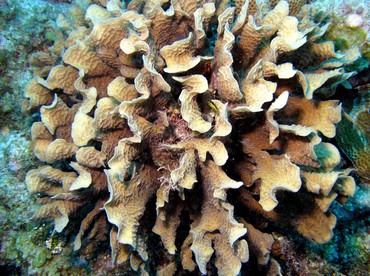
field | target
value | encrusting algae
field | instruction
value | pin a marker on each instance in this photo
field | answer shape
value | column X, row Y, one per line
column 208, row 113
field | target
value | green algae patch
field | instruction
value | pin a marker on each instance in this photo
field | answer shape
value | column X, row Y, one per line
column 353, row 137
column 10, row 252
column 40, row 259
column 49, row 35
column 345, row 37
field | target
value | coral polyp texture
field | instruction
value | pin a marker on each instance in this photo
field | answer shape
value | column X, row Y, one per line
column 205, row 125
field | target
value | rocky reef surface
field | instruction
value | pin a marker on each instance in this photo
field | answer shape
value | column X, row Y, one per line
column 219, row 147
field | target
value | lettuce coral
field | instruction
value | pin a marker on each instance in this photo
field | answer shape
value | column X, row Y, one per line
column 185, row 103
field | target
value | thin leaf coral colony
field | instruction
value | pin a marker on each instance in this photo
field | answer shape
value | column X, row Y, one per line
column 201, row 113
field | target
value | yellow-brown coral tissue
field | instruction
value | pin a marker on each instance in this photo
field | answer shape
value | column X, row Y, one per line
column 171, row 107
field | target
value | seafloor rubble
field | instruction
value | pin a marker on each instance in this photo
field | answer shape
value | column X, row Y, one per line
column 190, row 135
